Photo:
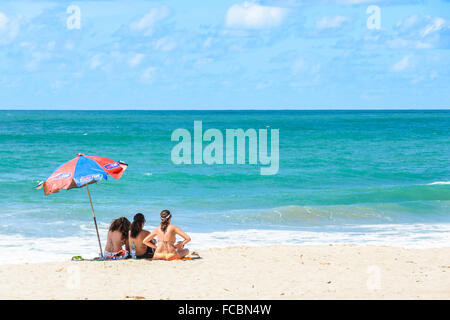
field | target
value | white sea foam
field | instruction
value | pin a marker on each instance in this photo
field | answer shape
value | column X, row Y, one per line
column 18, row 249
column 439, row 182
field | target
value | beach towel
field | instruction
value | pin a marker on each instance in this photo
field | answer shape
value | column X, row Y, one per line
column 191, row 256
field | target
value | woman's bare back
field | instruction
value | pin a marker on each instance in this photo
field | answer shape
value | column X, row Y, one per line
column 114, row 241
column 166, row 241
column 138, row 242
column 166, row 247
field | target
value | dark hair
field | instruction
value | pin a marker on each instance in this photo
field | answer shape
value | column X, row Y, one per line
column 121, row 224
column 165, row 217
column 136, row 226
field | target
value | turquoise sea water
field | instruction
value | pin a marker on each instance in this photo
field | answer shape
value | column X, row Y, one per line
column 344, row 176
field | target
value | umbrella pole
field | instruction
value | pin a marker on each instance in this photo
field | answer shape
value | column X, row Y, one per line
column 95, row 221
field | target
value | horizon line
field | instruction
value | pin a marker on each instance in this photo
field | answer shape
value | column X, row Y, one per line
column 194, row 109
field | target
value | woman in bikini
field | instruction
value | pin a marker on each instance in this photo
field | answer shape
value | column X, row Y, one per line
column 137, row 235
column 166, row 234
column 117, row 236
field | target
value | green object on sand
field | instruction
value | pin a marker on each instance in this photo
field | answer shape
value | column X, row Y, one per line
column 77, row 258
column 80, row 258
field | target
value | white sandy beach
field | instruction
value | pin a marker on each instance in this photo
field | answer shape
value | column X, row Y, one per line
column 271, row 272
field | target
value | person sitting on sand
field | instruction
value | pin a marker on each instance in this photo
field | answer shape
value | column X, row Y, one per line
column 137, row 235
column 166, row 234
column 117, row 236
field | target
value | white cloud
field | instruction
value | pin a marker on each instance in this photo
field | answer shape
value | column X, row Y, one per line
column 148, row 21
column 136, row 60
column 417, row 25
column 36, row 58
column 409, row 22
column 436, row 25
column 399, row 43
column 95, row 61
column 330, row 22
column 9, row 29
column 403, row 64
column 253, row 16
column 422, row 45
column 149, row 74
column 3, row 21
column 419, row 32
column 165, row 44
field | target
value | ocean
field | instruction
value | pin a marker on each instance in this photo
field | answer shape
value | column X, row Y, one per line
column 357, row 177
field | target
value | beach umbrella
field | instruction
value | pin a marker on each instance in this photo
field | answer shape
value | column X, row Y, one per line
column 82, row 171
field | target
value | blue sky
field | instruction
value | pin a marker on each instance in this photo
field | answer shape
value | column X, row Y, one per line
column 286, row 54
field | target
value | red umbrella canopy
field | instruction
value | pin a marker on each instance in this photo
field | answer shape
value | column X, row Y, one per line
column 81, row 171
